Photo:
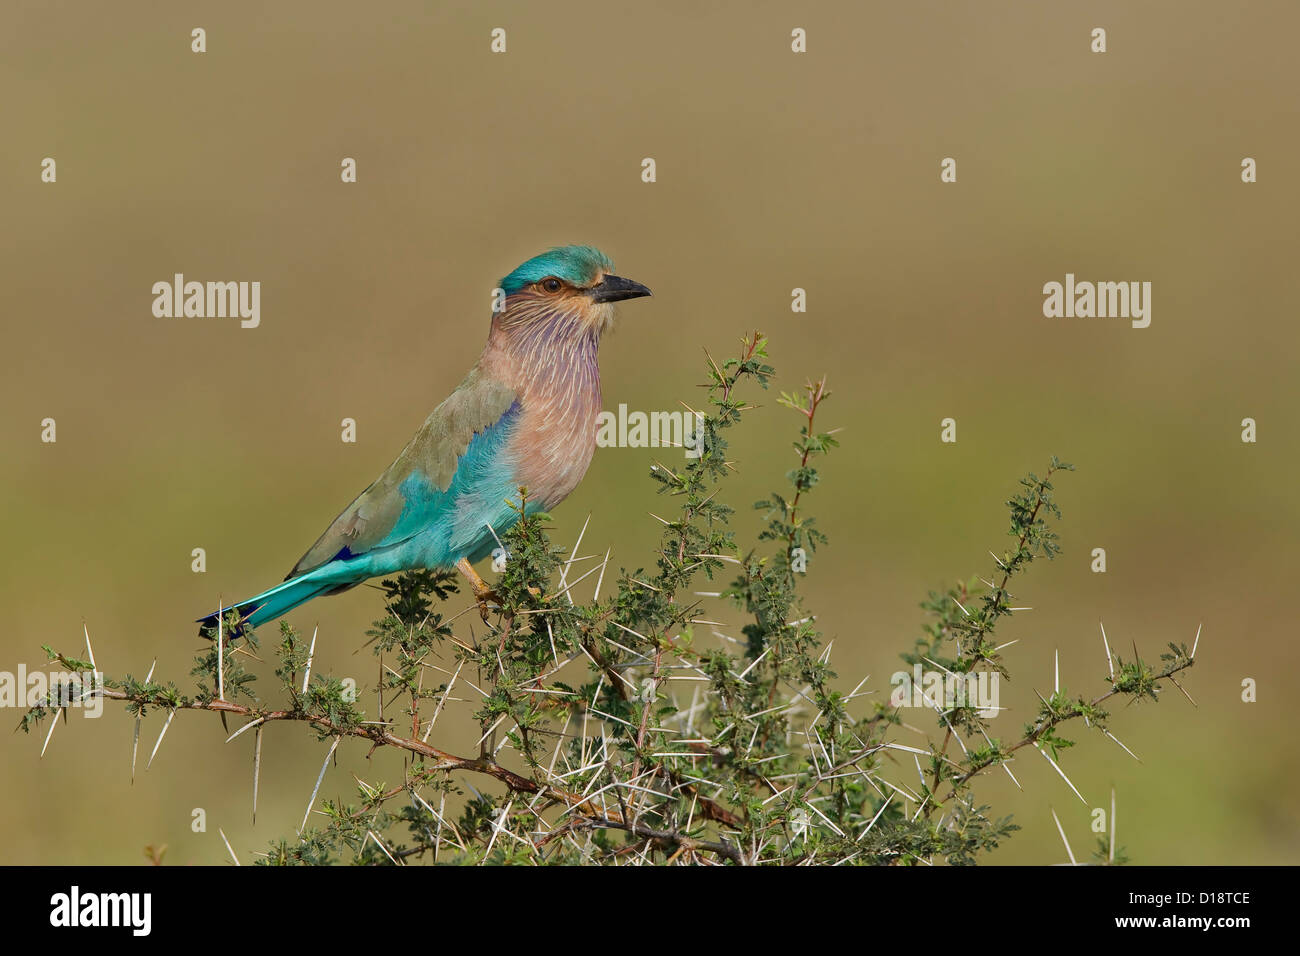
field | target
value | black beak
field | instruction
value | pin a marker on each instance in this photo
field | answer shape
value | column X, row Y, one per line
column 616, row 288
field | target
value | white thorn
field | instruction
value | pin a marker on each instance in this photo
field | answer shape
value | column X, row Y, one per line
column 257, row 768
column 316, row 789
column 163, row 733
column 1013, row 777
column 227, row 843
column 135, row 747
column 54, row 722
column 564, row 572
column 248, row 726
column 754, row 663
column 1060, row 771
column 90, row 651
column 604, row 564
column 1061, row 830
column 1112, row 824
column 370, row 834
column 1121, row 743
column 876, row 817
column 311, row 654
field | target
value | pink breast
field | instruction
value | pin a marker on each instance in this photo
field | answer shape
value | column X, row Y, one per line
column 553, row 444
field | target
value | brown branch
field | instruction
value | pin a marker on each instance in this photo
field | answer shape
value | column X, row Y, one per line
column 1054, row 721
column 380, row 736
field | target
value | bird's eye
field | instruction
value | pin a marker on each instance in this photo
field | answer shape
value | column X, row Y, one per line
column 552, row 285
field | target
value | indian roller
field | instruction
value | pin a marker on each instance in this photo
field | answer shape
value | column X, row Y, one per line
column 525, row 415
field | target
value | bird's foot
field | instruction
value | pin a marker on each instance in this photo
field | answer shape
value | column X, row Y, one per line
column 485, row 599
column 483, row 594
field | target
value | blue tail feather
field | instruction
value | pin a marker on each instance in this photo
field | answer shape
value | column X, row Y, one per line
column 280, row 600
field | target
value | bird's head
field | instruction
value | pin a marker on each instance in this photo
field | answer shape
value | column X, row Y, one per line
column 568, row 290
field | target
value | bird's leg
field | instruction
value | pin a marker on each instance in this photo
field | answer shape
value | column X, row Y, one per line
column 482, row 593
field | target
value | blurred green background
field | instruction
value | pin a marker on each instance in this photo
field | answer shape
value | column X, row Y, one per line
column 775, row 170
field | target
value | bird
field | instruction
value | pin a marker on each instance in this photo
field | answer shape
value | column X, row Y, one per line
column 524, row 416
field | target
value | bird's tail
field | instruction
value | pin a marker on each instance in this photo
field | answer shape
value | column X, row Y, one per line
column 273, row 603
